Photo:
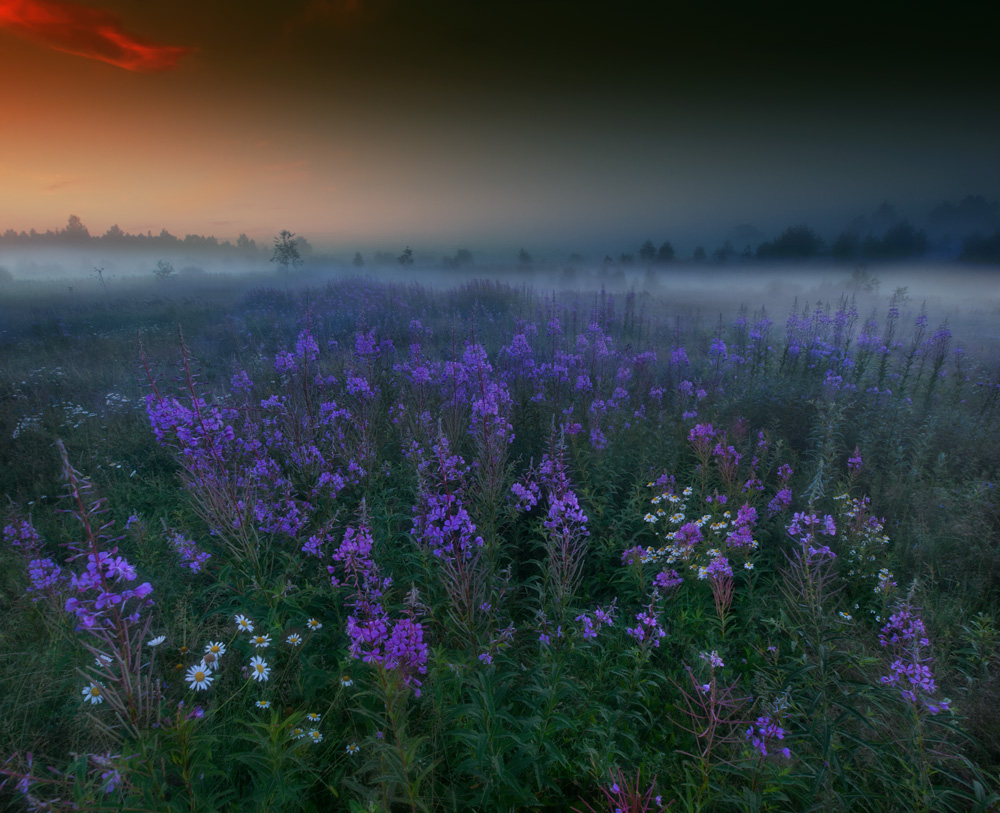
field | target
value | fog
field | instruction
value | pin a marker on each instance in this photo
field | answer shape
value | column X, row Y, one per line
column 949, row 291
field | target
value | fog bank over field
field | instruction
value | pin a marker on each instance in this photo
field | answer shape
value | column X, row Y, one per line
column 967, row 298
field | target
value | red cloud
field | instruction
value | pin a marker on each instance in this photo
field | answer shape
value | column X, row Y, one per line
column 88, row 32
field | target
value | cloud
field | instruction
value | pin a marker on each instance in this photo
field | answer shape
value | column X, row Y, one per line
column 88, row 32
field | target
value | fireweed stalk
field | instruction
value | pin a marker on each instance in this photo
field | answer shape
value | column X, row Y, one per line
column 493, row 432
column 395, row 649
column 565, row 524
column 443, row 528
column 110, row 615
column 712, row 715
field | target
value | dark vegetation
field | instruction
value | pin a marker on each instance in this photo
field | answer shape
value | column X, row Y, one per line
column 506, row 551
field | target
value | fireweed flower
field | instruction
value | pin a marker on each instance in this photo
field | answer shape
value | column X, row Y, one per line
column 261, row 641
column 712, row 659
column 259, row 669
column 199, row 677
column 294, row 639
column 244, row 624
column 92, row 694
column 763, row 732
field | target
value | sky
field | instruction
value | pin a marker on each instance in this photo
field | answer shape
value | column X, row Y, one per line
column 445, row 123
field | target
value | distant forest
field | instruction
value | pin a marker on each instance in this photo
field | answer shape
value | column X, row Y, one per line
column 968, row 231
column 77, row 234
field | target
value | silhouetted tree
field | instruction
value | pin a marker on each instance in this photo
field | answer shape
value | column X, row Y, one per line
column 699, row 255
column 724, row 253
column 463, row 258
column 406, row 258
column 163, row 270
column 665, row 253
column 112, row 235
column 795, row 242
column 845, row 247
column 979, row 249
column 75, row 231
column 903, row 240
column 359, row 261
column 626, row 258
column 647, row 252
column 286, row 252
column 523, row 259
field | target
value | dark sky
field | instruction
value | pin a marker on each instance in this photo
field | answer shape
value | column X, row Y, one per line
column 439, row 123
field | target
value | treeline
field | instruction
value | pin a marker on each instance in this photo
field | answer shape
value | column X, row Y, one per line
column 76, row 234
column 967, row 231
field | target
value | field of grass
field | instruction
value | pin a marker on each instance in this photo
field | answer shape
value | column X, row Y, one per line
column 379, row 546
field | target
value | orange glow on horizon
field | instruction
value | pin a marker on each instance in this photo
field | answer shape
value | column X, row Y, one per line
column 87, row 32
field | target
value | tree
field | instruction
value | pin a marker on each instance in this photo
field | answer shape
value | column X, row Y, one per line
column 113, row 235
column 75, row 230
column 699, row 255
column 359, row 261
column 647, row 252
column 163, row 270
column 724, row 253
column 286, row 252
column 406, row 258
column 845, row 247
column 795, row 242
column 245, row 244
column 665, row 254
column 523, row 259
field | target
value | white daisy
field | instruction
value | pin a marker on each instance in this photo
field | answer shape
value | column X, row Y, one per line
column 244, row 624
column 353, row 748
column 313, row 624
column 313, row 717
column 92, row 693
column 263, row 704
column 314, row 736
column 294, row 639
column 215, row 648
column 261, row 671
column 159, row 639
column 199, row 677
column 261, row 641
column 346, row 681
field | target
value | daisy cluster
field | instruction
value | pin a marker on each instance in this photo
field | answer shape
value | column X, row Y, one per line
column 865, row 545
column 700, row 545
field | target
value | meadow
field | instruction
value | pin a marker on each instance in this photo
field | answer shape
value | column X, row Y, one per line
column 373, row 545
